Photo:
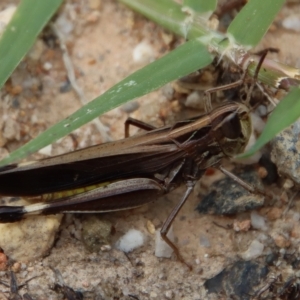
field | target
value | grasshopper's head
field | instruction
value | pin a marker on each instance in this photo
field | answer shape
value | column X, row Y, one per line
column 232, row 128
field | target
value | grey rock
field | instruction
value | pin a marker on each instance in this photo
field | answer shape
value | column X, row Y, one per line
column 238, row 280
column 228, row 197
column 286, row 153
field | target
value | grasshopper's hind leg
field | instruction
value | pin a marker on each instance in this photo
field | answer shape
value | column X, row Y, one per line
column 167, row 224
column 136, row 123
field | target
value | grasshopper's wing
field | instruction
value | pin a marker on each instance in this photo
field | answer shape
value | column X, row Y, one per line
column 39, row 178
column 138, row 156
column 123, row 194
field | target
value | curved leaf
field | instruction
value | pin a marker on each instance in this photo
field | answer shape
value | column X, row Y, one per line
column 285, row 114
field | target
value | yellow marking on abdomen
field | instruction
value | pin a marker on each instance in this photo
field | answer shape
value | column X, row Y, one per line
column 67, row 193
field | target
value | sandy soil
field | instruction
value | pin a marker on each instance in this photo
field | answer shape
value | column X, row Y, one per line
column 102, row 41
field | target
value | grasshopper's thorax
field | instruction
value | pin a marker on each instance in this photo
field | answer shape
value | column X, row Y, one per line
column 232, row 128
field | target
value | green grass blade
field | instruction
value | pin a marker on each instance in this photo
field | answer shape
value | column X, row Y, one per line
column 201, row 6
column 21, row 32
column 247, row 29
column 253, row 21
column 187, row 58
column 285, row 114
column 169, row 15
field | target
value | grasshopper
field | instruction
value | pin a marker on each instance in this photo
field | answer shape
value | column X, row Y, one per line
column 129, row 172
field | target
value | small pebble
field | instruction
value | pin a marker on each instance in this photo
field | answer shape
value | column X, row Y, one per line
column 194, row 100
column 261, row 110
column 162, row 276
column 162, row 249
column 143, row 53
column 257, row 221
column 16, row 267
column 105, row 248
column 46, row 150
column 3, row 262
column 274, row 213
column 131, row 240
column 288, row 184
column 47, row 66
column 281, row 241
column 169, row 294
column 255, row 250
column 282, row 251
column 11, row 129
column 243, row 225
column 262, row 172
column 64, row 25
column 168, row 91
column 292, row 22
column 268, row 170
column 130, row 107
column 150, row 227
column 85, row 284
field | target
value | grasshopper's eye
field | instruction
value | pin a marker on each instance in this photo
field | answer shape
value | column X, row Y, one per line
column 231, row 128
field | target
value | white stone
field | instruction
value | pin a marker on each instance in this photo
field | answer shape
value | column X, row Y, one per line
column 47, row 66
column 46, row 150
column 292, row 22
column 257, row 221
column 131, row 240
column 162, row 249
column 64, row 25
column 255, row 250
column 143, row 53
